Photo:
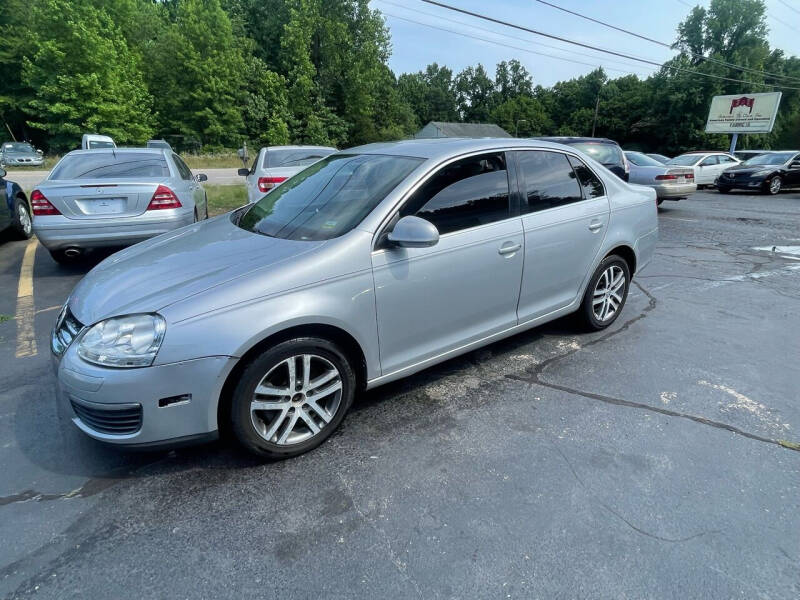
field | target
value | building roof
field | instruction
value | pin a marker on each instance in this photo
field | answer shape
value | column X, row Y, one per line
column 466, row 130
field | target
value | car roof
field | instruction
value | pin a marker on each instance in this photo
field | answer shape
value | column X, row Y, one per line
column 568, row 139
column 161, row 150
column 439, row 148
column 268, row 148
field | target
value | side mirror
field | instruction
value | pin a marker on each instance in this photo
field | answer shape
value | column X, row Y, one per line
column 2, row 172
column 413, row 232
column 39, row 152
column 243, row 172
column 795, row 164
column 202, row 177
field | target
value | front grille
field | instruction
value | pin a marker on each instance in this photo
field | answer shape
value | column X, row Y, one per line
column 115, row 420
column 67, row 329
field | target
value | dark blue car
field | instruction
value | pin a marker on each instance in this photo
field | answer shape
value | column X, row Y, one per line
column 15, row 210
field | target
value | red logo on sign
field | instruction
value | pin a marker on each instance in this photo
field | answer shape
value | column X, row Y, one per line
column 743, row 101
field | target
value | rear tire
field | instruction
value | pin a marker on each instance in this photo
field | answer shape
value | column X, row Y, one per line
column 23, row 225
column 299, row 407
column 606, row 293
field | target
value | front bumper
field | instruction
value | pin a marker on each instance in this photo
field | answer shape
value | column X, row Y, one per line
column 58, row 232
column 127, row 406
column 666, row 191
column 23, row 162
column 741, row 183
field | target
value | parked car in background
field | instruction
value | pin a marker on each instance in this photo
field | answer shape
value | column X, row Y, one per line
column 96, row 198
column 93, row 141
column 769, row 173
column 606, row 152
column 670, row 183
column 159, row 144
column 659, row 157
column 748, row 154
column 707, row 166
column 15, row 211
column 275, row 164
column 20, row 154
column 373, row 264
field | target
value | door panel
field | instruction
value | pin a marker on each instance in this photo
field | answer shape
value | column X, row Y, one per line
column 433, row 300
column 566, row 216
column 560, row 247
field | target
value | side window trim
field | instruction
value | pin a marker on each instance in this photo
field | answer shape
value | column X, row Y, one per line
column 591, row 170
column 379, row 238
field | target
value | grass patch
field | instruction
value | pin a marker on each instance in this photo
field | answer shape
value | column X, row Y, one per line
column 4, row 318
column 213, row 161
column 224, row 198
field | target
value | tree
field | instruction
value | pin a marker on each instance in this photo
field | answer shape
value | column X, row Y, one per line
column 475, row 92
column 512, row 80
column 431, row 94
column 522, row 115
column 83, row 76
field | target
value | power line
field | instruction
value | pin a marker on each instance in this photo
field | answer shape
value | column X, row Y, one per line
column 665, row 45
column 490, row 41
column 605, row 50
column 505, row 35
column 789, row 6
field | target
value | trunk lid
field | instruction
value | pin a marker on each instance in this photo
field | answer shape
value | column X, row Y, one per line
column 101, row 199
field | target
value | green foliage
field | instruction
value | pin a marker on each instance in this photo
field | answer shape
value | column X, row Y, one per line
column 207, row 74
column 82, row 76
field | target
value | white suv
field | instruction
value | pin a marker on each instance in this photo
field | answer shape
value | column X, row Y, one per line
column 707, row 165
column 275, row 164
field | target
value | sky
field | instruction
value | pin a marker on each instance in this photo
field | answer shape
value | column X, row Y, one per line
column 415, row 45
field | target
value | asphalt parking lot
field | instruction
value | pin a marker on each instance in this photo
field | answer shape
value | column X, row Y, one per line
column 658, row 459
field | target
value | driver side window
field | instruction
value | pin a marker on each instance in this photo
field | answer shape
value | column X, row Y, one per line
column 467, row 193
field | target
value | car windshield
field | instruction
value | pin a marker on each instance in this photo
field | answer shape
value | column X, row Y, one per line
column 18, row 147
column 329, row 198
column 109, row 165
column 773, row 158
column 296, row 157
column 642, row 160
column 94, row 144
column 606, row 154
column 685, row 160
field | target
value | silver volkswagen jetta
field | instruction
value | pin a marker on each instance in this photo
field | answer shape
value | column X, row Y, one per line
column 369, row 265
column 114, row 197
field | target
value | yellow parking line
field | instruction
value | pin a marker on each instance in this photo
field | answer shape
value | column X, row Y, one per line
column 26, row 334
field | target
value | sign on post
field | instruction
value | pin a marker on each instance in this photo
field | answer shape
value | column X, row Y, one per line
column 743, row 113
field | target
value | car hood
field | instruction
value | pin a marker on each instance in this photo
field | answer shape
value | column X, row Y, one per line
column 750, row 169
column 171, row 267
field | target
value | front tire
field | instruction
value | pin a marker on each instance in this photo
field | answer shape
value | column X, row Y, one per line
column 23, row 225
column 606, row 293
column 724, row 190
column 774, row 185
column 292, row 397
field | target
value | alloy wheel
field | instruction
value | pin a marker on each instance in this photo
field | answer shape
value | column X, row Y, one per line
column 24, row 219
column 775, row 185
column 608, row 293
column 296, row 399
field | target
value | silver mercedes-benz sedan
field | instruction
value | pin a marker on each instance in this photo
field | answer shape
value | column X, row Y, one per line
column 367, row 266
column 114, row 197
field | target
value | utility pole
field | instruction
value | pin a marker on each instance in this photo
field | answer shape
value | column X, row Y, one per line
column 596, row 107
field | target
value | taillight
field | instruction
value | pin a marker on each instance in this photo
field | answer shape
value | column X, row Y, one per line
column 265, row 184
column 41, row 205
column 689, row 175
column 663, row 177
column 164, row 198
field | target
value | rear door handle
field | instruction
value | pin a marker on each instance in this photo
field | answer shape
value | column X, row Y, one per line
column 595, row 226
column 509, row 249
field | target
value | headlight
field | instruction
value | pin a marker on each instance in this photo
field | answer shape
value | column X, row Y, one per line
column 130, row 341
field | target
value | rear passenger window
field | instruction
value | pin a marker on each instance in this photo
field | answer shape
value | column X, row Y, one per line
column 709, row 160
column 185, row 172
column 548, row 180
column 467, row 193
column 591, row 184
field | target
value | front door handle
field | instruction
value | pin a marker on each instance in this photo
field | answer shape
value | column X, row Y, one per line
column 595, row 226
column 509, row 249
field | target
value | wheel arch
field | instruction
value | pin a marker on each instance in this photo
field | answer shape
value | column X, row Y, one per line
column 627, row 253
column 332, row 333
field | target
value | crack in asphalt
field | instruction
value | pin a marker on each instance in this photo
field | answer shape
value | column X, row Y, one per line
column 90, row 488
column 617, row 513
column 535, row 378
